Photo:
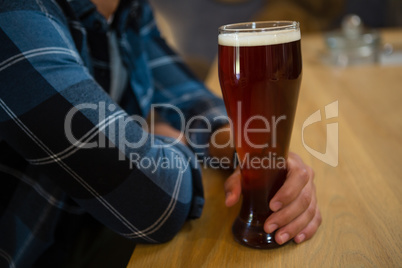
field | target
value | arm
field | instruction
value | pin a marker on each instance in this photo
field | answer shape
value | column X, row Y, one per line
column 202, row 112
column 57, row 117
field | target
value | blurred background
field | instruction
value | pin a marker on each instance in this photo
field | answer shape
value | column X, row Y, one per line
column 190, row 26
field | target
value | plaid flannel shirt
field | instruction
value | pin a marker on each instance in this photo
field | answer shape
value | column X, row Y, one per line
column 67, row 149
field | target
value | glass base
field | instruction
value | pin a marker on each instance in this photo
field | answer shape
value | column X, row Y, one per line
column 253, row 235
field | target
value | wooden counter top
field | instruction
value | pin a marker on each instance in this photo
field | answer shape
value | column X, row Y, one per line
column 360, row 199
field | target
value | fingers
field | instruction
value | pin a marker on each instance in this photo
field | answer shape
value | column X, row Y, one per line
column 233, row 188
column 302, row 227
column 298, row 215
column 298, row 176
column 311, row 228
column 299, row 212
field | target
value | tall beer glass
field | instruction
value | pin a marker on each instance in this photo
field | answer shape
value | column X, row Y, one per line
column 260, row 68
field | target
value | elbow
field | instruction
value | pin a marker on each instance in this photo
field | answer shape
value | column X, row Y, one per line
column 167, row 228
column 172, row 196
column 186, row 204
column 171, row 228
column 177, row 210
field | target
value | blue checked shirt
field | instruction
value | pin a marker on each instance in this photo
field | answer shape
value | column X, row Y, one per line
column 68, row 149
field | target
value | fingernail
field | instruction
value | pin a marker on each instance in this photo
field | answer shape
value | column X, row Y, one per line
column 271, row 228
column 276, row 206
column 283, row 238
column 300, row 238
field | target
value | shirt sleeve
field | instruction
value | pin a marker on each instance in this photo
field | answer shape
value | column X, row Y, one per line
column 59, row 119
column 179, row 97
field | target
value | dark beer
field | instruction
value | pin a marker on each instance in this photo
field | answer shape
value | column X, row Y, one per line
column 260, row 76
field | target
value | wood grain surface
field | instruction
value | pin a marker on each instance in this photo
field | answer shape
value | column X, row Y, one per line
column 360, row 199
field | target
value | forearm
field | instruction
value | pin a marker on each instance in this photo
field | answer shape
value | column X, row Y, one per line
column 71, row 132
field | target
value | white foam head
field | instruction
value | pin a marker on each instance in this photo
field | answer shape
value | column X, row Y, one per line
column 258, row 38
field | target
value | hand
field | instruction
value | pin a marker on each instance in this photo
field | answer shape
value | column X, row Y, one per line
column 296, row 214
